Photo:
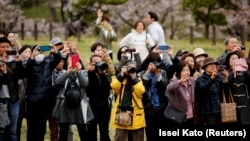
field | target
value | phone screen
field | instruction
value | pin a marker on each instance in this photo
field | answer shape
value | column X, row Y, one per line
column 239, row 64
column 45, row 48
column 75, row 59
column 163, row 47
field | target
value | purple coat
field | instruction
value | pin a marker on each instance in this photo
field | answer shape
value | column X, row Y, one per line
column 177, row 93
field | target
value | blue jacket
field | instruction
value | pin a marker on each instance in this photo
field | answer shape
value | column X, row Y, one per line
column 39, row 78
column 209, row 93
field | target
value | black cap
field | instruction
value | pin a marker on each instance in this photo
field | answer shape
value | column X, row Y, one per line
column 181, row 52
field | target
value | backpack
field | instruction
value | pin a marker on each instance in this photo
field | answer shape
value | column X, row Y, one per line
column 72, row 93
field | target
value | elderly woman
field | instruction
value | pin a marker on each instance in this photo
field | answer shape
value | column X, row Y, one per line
column 209, row 91
column 181, row 91
column 138, row 38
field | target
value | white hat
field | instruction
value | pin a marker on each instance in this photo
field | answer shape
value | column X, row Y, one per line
column 199, row 51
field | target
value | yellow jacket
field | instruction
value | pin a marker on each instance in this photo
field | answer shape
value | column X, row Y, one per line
column 138, row 114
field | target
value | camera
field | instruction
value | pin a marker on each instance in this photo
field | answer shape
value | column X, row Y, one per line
column 159, row 65
column 101, row 65
column 220, row 68
column 131, row 69
column 11, row 52
column 243, row 47
column 130, row 50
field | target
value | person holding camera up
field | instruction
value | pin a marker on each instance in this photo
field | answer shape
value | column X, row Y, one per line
column 139, row 39
column 155, row 80
column 239, row 84
column 124, row 54
column 39, row 72
column 73, row 106
column 127, row 113
column 98, row 92
column 97, row 48
column 208, row 92
column 231, row 45
column 11, row 70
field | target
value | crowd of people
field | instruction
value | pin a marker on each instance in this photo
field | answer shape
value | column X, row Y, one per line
column 59, row 88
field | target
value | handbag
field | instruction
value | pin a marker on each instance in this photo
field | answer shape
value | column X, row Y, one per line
column 124, row 116
column 175, row 115
column 4, row 118
column 228, row 109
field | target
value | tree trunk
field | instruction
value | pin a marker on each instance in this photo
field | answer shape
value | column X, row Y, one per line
column 62, row 12
column 52, row 10
column 207, row 31
column 172, row 28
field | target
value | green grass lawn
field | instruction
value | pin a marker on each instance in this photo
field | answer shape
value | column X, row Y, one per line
column 84, row 48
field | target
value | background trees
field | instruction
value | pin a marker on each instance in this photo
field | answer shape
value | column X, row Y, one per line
column 229, row 16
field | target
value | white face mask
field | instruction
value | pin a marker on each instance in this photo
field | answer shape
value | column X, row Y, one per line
column 11, row 58
column 129, row 56
column 161, row 55
column 39, row 58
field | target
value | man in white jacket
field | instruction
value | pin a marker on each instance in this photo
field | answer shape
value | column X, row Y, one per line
column 155, row 29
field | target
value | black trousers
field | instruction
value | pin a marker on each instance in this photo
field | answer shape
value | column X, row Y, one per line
column 154, row 123
column 64, row 129
column 102, row 117
column 37, row 115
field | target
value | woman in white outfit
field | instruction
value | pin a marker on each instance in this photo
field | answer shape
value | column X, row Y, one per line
column 138, row 38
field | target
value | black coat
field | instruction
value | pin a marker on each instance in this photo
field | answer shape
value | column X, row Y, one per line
column 98, row 89
column 239, row 86
column 39, row 76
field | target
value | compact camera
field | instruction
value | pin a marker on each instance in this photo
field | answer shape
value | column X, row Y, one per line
column 130, row 50
column 159, row 65
column 11, row 52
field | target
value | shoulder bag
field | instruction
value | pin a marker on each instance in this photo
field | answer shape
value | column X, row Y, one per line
column 228, row 109
column 174, row 114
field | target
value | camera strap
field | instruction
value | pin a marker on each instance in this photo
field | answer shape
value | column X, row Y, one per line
column 137, row 105
column 99, row 79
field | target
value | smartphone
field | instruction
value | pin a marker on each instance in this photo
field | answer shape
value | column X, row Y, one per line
column 163, row 47
column 239, row 64
column 75, row 59
column 44, row 48
column 11, row 52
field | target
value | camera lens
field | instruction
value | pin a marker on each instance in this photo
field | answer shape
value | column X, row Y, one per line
column 131, row 69
column 159, row 65
column 102, row 65
column 243, row 47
